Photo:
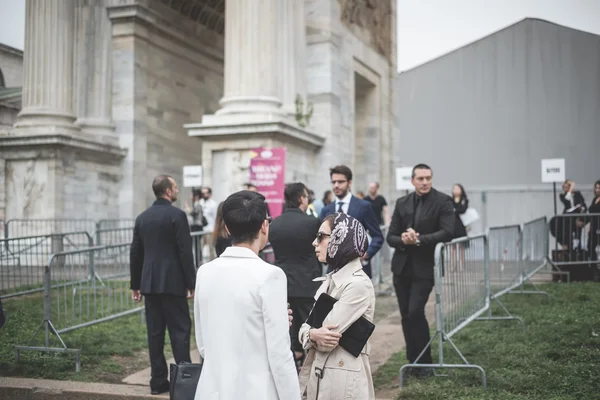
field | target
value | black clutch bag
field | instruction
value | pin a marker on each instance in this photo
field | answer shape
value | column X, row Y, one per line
column 184, row 380
column 356, row 336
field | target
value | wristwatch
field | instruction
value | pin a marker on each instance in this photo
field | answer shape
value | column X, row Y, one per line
column 418, row 242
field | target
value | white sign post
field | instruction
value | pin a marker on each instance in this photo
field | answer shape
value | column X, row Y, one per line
column 553, row 170
column 192, row 176
column 403, row 176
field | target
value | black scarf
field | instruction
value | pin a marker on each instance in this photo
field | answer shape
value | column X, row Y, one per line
column 348, row 241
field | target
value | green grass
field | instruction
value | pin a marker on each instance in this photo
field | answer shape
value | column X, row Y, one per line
column 109, row 351
column 557, row 358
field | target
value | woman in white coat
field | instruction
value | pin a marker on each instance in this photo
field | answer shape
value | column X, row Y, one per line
column 341, row 242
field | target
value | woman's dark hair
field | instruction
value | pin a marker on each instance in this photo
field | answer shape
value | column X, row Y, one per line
column 597, row 183
column 326, row 197
column 330, row 219
column 463, row 194
column 220, row 230
column 244, row 213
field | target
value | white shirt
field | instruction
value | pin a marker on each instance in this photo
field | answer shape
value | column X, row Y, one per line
column 209, row 208
column 346, row 204
column 242, row 333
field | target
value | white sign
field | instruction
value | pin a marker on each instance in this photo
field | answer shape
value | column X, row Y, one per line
column 403, row 176
column 192, row 175
column 553, row 170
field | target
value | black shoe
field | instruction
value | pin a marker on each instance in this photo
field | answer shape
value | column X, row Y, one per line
column 424, row 373
column 160, row 390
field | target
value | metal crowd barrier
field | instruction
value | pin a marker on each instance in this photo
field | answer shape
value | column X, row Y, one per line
column 462, row 293
column 115, row 223
column 36, row 227
column 202, row 248
column 105, row 237
column 576, row 245
column 22, row 260
column 73, row 301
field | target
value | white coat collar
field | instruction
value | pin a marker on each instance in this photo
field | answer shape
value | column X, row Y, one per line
column 238, row 252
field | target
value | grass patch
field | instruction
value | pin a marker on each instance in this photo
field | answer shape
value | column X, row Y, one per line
column 110, row 351
column 557, row 358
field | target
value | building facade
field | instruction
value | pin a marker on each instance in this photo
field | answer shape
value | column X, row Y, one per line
column 115, row 92
column 485, row 115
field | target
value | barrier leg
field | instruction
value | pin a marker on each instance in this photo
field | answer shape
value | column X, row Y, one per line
column 507, row 317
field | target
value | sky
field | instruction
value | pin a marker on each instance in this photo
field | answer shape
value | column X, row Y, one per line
column 426, row 28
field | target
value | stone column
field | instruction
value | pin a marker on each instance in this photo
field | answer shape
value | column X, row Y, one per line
column 292, row 53
column 48, row 65
column 251, row 61
column 93, row 68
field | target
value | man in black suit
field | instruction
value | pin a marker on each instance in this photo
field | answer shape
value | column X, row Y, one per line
column 291, row 235
column 344, row 201
column 420, row 221
column 162, row 270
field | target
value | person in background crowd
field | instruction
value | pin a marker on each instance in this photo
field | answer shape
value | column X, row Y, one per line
column 595, row 223
column 341, row 179
column 198, row 221
column 461, row 204
column 209, row 208
column 162, row 270
column 241, row 316
column 341, row 242
column 421, row 220
column 220, row 236
column 310, row 210
column 360, row 195
column 572, row 199
column 380, row 206
column 291, row 236
column 251, row 187
column 320, row 203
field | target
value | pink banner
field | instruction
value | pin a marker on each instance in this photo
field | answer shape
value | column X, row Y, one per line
column 267, row 172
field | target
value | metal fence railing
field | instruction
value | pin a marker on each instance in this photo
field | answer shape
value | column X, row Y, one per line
column 576, row 248
column 115, row 223
column 202, row 248
column 37, row 227
column 110, row 236
column 22, row 260
column 462, row 294
column 73, row 301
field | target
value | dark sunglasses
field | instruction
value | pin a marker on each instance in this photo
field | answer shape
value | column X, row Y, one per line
column 321, row 235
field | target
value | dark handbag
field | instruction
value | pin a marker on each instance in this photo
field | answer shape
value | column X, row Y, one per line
column 354, row 338
column 184, row 380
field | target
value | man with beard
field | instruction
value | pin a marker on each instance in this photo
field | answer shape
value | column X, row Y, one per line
column 341, row 181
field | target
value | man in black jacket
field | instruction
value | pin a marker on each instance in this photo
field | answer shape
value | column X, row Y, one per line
column 421, row 220
column 291, row 236
column 162, row 270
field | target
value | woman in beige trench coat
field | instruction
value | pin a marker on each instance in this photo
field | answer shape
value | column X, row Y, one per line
column 341, row 242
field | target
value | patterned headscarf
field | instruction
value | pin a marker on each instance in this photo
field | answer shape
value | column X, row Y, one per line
column 348, row 241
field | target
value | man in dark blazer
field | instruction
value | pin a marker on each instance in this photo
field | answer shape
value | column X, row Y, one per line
column 344, row 201
column 162, row 270
column 420, row 221
column 291, row 235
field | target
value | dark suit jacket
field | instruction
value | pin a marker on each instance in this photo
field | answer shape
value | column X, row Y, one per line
column 363, row 212
column 161, row 259
column 291, row 235
column 577, row 199
column 435, row 225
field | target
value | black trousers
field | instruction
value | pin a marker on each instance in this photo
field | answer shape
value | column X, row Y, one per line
column 301, row 307
column 173, row 313
column 412, row 294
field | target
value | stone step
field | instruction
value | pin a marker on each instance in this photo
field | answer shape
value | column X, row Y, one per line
column 43, row 389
